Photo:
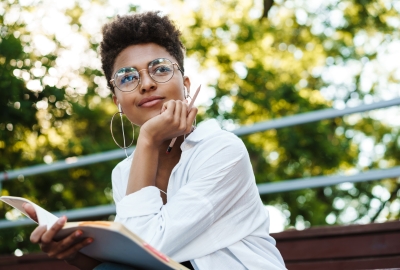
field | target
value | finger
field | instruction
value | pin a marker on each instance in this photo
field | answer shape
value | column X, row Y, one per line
column 63, row 244
column 169, row 110
column 57, row 248
column 49, row 235
column 164, row 107
column 72, row 251
column 36, row 235
column 184, row 114
column 168, row 104
column 185, row 106
column 30, row 210
column 178, row 110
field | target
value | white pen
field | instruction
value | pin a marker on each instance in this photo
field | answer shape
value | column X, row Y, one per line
column 190, row 107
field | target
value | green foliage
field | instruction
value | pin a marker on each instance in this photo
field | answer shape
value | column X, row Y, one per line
column 267, row 68
column 48, row 122
column 271, row 68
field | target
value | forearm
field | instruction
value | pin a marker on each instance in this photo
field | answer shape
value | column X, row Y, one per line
column 144, row 166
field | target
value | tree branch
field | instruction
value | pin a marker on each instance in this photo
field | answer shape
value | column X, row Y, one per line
column 393, row 196
column 267, row 6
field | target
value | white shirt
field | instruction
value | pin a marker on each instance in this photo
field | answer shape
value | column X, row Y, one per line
column 213, row 217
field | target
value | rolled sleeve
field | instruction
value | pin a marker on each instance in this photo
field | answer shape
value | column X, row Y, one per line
column 144, row 202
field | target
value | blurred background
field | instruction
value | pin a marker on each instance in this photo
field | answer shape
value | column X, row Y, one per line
column 258, row 60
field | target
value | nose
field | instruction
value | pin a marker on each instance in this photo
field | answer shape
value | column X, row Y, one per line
column 146, row 83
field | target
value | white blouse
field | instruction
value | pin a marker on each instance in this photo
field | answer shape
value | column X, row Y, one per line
column 213, row 217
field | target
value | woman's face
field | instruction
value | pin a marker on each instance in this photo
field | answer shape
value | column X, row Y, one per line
column 147, row 99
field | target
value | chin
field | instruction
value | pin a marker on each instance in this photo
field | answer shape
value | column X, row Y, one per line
column 148, row 117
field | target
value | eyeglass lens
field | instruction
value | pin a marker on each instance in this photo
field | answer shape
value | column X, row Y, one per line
column 160, row 70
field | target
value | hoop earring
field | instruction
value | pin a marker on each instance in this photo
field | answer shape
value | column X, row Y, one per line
column 123, row 131
column 185, row 93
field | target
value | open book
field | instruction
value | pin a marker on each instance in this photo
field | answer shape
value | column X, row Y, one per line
column 113, row 242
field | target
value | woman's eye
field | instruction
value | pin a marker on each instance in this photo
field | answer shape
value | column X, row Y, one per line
column 162, row 70
column 129, row 78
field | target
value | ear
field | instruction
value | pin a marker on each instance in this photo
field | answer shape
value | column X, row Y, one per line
column 117, row 103
column 186, row 83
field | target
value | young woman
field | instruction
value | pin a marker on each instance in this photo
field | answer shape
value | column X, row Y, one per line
column 199, row 204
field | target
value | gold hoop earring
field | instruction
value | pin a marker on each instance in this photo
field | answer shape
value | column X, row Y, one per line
column 185, row 93
column 123, row 131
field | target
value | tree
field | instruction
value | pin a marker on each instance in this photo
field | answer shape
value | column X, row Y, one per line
column 299, row 58
column 288, row 64
column 50, row 111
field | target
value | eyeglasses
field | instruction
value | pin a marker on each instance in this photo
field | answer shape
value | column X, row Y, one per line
column 161, row 70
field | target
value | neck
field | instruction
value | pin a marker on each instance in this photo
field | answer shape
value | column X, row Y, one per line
column 175, row 152
column 166, row 163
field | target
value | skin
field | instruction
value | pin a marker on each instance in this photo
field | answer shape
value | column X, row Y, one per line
column 63, row 249
column 151, row 166
column 159, row 123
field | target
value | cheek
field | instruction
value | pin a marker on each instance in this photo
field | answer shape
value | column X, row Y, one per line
column 177, row 88
column 179, row 92
column 182, row 95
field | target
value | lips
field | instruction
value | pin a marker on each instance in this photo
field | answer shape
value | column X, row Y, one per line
column 150, row 101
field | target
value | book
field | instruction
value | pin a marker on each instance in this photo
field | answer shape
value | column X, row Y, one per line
column 113, row 242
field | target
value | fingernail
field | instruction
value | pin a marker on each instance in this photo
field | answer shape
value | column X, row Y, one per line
column 78, row 233
column 61, row 220
column 90, row 240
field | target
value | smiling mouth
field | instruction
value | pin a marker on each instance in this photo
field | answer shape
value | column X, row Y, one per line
column 150, row 102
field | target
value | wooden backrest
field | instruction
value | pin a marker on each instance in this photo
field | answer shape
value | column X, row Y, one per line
column 368, row 246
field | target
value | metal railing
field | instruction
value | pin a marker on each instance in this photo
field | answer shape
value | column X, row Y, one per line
column 267, row 188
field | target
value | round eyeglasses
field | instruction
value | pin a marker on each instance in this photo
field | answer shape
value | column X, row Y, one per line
column 161, row 70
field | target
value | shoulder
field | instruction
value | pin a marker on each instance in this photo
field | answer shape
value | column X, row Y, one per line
column 220, row 138
column 210, row 140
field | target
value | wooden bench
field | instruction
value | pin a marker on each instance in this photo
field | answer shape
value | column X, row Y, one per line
column 370, row 246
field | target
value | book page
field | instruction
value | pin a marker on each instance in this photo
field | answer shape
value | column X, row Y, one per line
column 44, row 216
column 113, row 242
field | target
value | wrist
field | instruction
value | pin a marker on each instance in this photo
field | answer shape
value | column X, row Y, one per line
column 148, row 142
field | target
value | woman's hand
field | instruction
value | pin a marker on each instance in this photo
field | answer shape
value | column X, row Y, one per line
column 173, row 121
column 30, row 211
column 64, row 249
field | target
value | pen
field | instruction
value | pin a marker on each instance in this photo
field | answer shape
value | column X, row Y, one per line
column 190, row 107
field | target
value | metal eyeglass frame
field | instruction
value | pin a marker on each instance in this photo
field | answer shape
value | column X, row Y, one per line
column 112, row 81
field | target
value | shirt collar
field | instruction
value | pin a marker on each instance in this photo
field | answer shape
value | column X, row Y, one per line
column 203, row 130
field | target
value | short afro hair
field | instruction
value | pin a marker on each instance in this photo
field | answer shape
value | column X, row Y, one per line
column 147, row 27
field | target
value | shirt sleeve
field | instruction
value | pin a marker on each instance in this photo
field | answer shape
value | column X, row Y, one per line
column 217, row 181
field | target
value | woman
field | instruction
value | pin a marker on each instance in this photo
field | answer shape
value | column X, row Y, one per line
column 198, row 203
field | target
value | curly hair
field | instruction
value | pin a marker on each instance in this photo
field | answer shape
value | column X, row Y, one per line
column 147, row 27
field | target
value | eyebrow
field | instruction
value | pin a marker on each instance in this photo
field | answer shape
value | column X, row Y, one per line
column 147, row 63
